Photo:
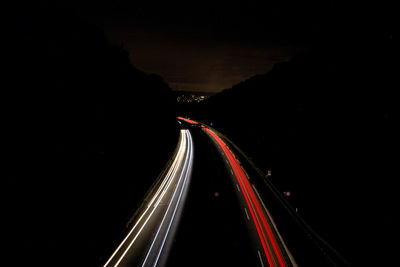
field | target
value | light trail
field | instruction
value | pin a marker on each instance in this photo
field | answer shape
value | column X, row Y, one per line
column 178, row 202
column 156, row 217
column 187, row 120
column 156, row 195
column 272, row 250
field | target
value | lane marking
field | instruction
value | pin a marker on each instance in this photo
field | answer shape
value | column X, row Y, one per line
column 276, row 228
column 243, row 186
column 262, row 202
column 259, row 256
column 247, row 215
column 258, row 214
column 254, row 210
column 238, row 187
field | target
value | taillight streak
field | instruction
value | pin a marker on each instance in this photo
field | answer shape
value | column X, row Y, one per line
column 254, row 206
column 187, row 120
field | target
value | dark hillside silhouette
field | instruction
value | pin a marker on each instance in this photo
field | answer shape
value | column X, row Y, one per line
column 86, row 135
column 325, row 123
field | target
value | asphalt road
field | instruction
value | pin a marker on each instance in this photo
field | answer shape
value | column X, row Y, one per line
column 220, row 220
column 148, row 241
column 225, row 221
column 213, row 230
column 270, row 246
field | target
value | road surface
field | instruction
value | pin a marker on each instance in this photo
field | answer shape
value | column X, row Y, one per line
column 229, row 226
column 269, row 247
column 272, row 250
column 223, row 217
column 149, row 240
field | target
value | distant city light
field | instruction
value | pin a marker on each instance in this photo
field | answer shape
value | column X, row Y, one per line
column 191, row 98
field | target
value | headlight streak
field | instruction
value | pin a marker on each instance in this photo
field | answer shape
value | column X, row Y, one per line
column 158, row 195
column 187, row 166
column 173, row 166
column 183, row 191
column 150, row 239
column 180, row 157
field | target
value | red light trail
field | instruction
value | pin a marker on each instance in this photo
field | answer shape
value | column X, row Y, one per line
column 272, row 250
column 264, row 231
column 187, row 120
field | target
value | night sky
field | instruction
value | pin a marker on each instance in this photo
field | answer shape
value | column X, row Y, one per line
column 207, row 45
column 196, row 61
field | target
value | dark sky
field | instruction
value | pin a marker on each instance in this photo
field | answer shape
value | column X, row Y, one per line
column 193, row 59
column 211, row 45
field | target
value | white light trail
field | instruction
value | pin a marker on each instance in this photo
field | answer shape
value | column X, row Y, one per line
column 185, row 173
column 158, row 195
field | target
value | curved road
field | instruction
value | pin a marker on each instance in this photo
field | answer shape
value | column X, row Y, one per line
column 149, row 240
column 272, row 250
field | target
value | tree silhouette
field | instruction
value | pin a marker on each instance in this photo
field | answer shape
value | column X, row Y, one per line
column 325, row 123
column 87, row 134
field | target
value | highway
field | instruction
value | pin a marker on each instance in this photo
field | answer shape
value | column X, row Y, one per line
column 149, row 240
column 265, row 240
column 271, row 250
column 210, row 211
